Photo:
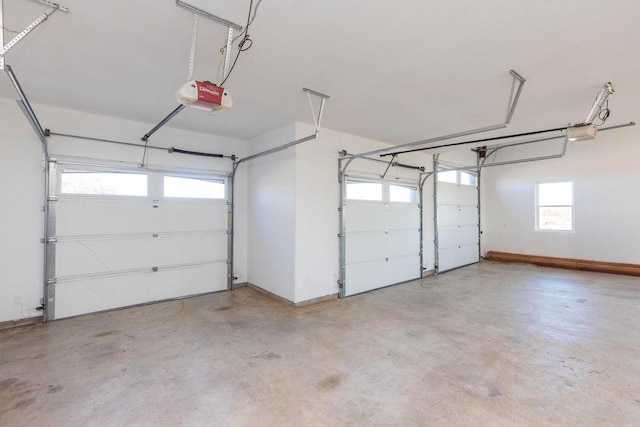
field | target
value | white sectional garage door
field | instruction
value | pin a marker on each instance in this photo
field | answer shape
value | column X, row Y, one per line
column 115, row 251
column 382, row 240
column 457, row 225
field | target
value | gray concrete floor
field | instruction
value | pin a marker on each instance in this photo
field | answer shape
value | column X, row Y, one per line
column 490, row 344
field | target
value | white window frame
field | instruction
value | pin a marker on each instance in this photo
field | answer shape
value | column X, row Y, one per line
column 79, row 168
column 214, row 179
column 364, row 181
column 386, row 193
column 458, row 177
column 155, row 181
column 538, row 206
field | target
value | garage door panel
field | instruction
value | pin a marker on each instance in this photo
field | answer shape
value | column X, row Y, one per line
column 403, row 242
column 366, row 276
column 105, row 216
column 365, row 246
column 98, row 294
column 402, row 216
column 107, row 248
column 448, row 215
column 190, row 216
column 364, row 216
column 468, row 235
column 447, row 193
column 377, row 245
column 469, row 254
column 382, row 244
column 457, row 225
column 448, row 236
column 468, row 215
column 467, row 195
column 99, row 255
column 124, row 216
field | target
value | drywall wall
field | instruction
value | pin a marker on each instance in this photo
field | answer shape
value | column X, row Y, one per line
column 271, row 214
column 21, row 252
column 605, row 174
column 22, row 190
column 317, row 200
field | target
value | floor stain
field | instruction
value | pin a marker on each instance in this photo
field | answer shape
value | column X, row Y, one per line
column 24, row 403
column 331, row 382
column 5, row 384
column 223, row 308
column 54, row 389
column 481, row 388
column 268, row 356
column 105, row 334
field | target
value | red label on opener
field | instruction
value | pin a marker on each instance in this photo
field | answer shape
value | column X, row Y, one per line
column 208, row 92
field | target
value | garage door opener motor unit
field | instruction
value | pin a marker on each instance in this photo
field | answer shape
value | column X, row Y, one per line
column 204, row 95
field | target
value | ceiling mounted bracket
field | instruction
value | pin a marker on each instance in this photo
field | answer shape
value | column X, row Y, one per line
column 227, row 60
column 515, row 94
column 192, row 52
column 207, row 15
column 5, row 48
column 25, row 106
column 313, row 136
column 317, row 121
column 599, row 103
column 513, row 102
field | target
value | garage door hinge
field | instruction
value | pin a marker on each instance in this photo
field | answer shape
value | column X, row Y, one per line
column 340, row 285
column 53, row 239
column 52, row 281
column 52, row 198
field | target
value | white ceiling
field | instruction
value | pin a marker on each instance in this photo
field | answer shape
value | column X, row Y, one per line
column 396, row 71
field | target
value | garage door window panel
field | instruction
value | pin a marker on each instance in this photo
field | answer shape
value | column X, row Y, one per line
column 362, row 190
column 193, row 188
column 403, row 193
column 103, row 183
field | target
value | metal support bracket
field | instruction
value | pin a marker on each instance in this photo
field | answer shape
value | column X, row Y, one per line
column 5, row 48
column 388, row 166
column 210, row 16
column 203, row 13
column 513, row 101
column 25, row 106
column 317, row 121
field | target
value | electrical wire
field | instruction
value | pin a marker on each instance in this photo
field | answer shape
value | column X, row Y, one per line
column 604, row 114
column 245, row 41
column 10, row 31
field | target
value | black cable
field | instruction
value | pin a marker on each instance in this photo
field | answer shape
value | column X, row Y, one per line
column 194, row 153
column 475, row 141
column 604, row 114
column 246, row 39
column 231, row 69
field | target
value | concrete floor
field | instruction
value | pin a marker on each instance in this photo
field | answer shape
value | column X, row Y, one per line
column 490, row 344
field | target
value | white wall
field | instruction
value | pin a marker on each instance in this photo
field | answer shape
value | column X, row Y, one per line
column 606, row 177
column 271, row 214
column 22, row 191
column 21, row 252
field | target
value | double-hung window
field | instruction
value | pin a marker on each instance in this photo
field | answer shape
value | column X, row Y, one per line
column 554, row 207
